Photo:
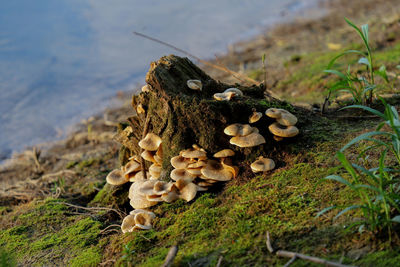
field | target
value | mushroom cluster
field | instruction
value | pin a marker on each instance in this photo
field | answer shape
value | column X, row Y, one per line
column 228, row 94
column 244, row 135
column 193, row 167
column 284, row 125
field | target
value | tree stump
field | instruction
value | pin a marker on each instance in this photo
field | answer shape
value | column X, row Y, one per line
column 183, row 117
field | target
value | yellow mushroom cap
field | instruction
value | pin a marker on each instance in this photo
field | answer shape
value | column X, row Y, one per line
column 145, row 88
column 256, row 116
column 262, row 165
column 137, row 199
column 187, row 189
column 128, row 224
column 216, row 171
column 148, row 155
column 274, row 113
column 197, row 164
column 139, row 176
column 151, row 142
column 143, row 219
column 194, row 84
column 192, row 153
column 283, row 131
column 253, row 139
column 278, row 138
column 155, row 170
column 131, row 167
column 177, row 174
column 226, row 96
column 179, row 162
column 116, row 177
column 238, row 129
column 140, row 109
column 287, row 118
column 194, row 171
column 224, row 153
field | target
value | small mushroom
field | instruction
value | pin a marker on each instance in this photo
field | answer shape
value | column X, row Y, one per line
column 235, row 91
column 253, row 139
column 151, row 142
column 194, row 84
column 131, row 168
column 187, row 189
column 137, row 199
column 194, row 171
column 179, row 162
column 283, row 131
column 137, row 219
column 223, row 96
column 145, row 88
column 216, row 171
column 140, row 109
column 262, row 165
column 139, row 176
column 287, row 118
column 116, row 177
column 238, row 129
column 155, row 170
column 256, row 116
column 148, row 155
column 177, row 174
column 274, row 113
column 224, row 153
column 192, row 153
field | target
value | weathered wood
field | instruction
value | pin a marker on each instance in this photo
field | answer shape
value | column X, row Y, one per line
column 182, row 116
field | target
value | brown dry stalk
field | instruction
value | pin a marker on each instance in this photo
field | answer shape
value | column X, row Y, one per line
column 242, row 78
column 120, row 213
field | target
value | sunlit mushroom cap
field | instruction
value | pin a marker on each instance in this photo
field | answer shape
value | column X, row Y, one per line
column 128, row 224
column 274, row 113
column 238, row 129
column 262, row 165
column 116, row 177
column 151, row 142
column 224, row 153
column 187, row 189
column 148, row 155
column 140, row 109
column 216, row 171
column 192, row 153
column 177, row 174
column 144, row 219
column 139, row 176
column 131, row 168
column 138, row 200
column 197, row 164
column 155, row 170
column 179, row 162
column 287, row 118
column 283, row 131
column 235, row 91
column 194, row 171
column 253, row 139
column 145, row 88
column 226, row 96
column 256, row 116
column 194, row 84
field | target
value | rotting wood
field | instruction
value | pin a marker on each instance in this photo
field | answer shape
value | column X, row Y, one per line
column 145, row 131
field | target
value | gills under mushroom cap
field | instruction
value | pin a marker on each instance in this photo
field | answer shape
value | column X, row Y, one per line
column 262, row 165
column 253, row 139
column 177, row 174
column 235, row 91
column 151, row 142
column 283, row 131
column 223, row 96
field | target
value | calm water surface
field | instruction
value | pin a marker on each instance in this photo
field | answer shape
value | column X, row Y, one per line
column 62, row 60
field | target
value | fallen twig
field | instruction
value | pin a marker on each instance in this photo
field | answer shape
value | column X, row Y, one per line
column 269, row 246
column 219, row 261
column 236, row 75
column 289, row 254
column 290, row 261
column 59, row 173
column 170, row 256
column 36, row 155
column 108, row 227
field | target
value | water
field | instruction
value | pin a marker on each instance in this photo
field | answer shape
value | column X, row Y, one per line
column 61, row 61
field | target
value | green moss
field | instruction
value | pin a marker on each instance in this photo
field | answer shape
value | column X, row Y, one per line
column 381, row 258
column 88, row 257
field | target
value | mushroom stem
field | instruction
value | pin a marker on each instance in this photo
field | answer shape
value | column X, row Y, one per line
column 145, row 131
